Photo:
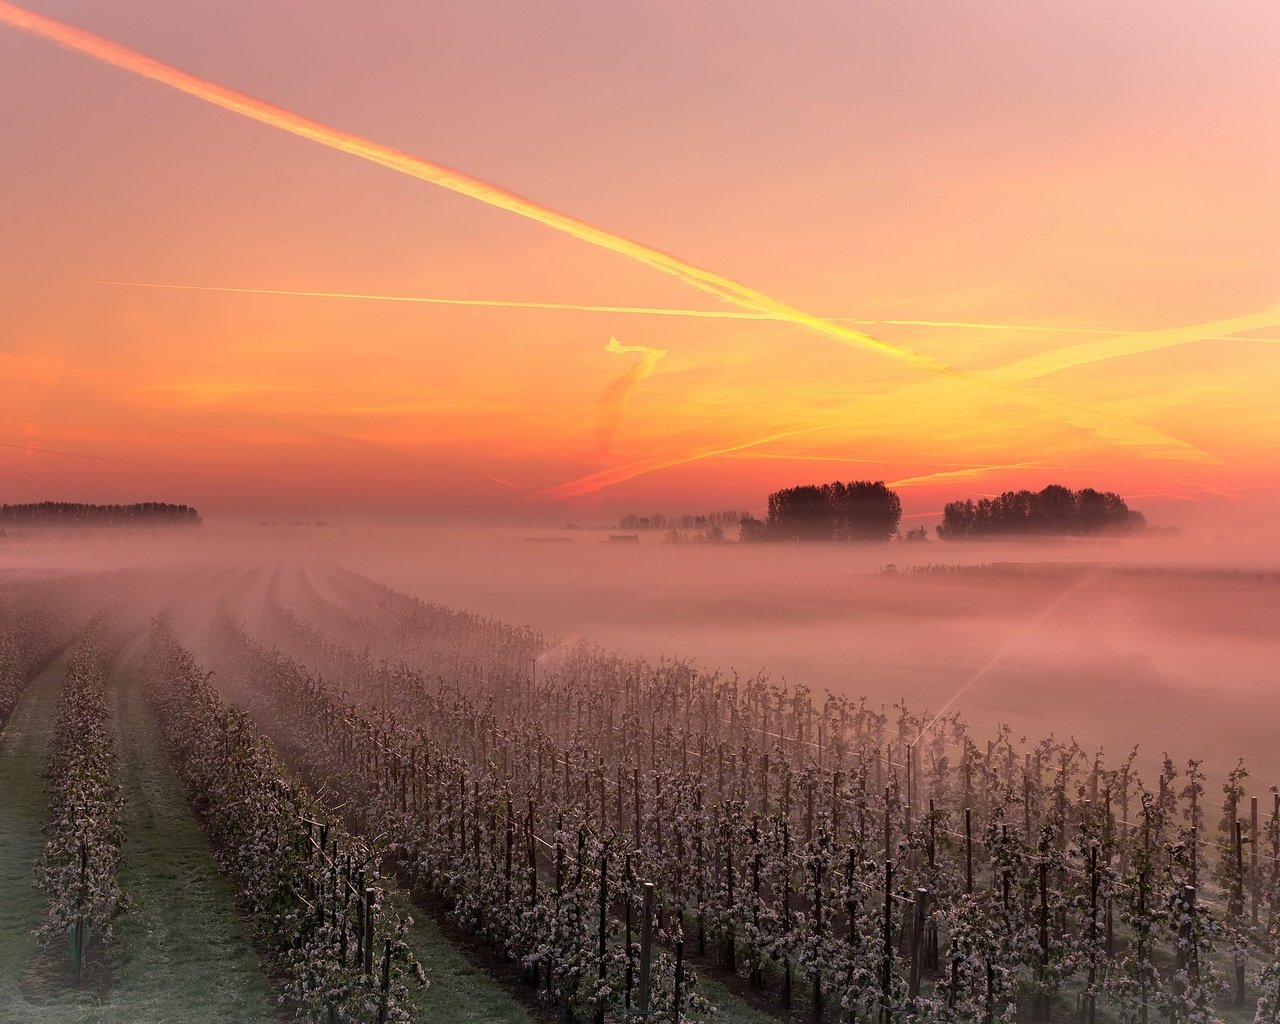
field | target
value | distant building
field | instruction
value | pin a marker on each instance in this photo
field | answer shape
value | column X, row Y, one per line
column 624, row 538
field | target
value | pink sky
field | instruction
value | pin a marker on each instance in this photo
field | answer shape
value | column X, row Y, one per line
column 1095, row 165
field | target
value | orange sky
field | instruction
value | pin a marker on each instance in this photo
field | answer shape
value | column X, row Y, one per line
column 1059, row 167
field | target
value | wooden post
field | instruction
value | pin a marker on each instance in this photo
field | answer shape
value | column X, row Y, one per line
column 646, row 949
column 359, row 929
column 757, row 976
column 851, row 899
column 1253, row 860
column 730, row 942
column 1091, row 999
column 511, row 838
column 968, row 851
column 604, row 925
column 679, row 986
column 910, row 790
column 1184, row 962
column 368, row 932
column 808, row 813
column 84, row 891
column 1275, row 846
column 532, row 858
column 817, row 935
column 630, row 977
column 1238, row 921
column 919, row 923
column 888, row 828
column 1142, row 943
column 786, row 910
column 886, row 965
column 1043, row 1001
column 386, row 982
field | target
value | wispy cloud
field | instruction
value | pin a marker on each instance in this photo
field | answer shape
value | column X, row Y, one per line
column 614, row 398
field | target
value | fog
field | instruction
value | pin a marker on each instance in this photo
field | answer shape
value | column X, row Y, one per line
column 1170, row 644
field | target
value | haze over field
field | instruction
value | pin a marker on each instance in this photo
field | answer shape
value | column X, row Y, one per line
column 1166, row 643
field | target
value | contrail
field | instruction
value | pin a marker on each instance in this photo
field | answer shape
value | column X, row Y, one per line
column 619, row 474
column 958, row 474
column 503, row 483
column 721, row 287
column 614, row 398
column 1114, row 344
column 1133, row 343
column 70, row 455
column 579, row 307
column 710, row 314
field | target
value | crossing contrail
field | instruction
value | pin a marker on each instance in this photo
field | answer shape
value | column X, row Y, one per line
column 579, row 307
column 619, row 474
column 726, row 289
column 723, row 288
column 1133, row 343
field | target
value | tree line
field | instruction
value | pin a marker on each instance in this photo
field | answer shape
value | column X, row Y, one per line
column 70, row 513
column 862, row 510
column 687, row 521
column 1054, row 510
column 859, row 510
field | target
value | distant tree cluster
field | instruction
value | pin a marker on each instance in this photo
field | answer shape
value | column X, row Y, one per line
column 859, row 510
column 1054, row 510
column 688, row 521
column 69, row 513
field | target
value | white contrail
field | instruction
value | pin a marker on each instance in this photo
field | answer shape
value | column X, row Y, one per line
column 579, row 307
column 726, row 289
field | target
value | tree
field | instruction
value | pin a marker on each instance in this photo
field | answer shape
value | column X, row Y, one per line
column 859, row 510
column 1054, row 510
column 801, row 513
column 865, row 510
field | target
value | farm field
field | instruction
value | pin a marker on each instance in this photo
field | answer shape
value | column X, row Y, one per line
column 639, row 513
column 299, row 791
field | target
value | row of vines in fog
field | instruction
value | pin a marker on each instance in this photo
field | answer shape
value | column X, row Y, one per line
column 862, row 862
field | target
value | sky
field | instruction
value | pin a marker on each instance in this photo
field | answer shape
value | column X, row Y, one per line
column 958, row 248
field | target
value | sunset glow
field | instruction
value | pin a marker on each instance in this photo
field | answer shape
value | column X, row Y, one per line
column 1079, row 290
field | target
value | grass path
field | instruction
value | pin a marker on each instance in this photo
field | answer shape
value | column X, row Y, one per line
column 184, row 951
column 24, row 810
column 459, row 992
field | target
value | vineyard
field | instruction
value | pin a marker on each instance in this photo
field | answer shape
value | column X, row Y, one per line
column 591, row 837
